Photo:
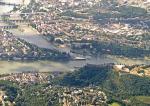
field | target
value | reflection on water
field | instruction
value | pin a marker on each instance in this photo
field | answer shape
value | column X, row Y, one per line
column 48, row 66
column 45, row 66
column 42, row 66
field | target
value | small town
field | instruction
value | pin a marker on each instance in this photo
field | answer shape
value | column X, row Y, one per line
column 67, row 96
column 140, row 70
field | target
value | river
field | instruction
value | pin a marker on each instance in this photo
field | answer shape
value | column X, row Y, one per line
column 50, row 66
column 7, row 8
column 45, row 66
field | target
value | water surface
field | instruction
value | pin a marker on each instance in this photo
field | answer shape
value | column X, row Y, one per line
column 45, row 66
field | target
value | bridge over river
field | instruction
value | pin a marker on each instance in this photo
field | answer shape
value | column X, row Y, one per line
column 16, row 21
column 8, row 21
column 8, row 26
column 11, row 4
column 12, row 24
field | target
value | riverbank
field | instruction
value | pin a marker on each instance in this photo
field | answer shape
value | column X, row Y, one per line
column 64, row 66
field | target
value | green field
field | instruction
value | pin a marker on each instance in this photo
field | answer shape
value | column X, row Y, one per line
column 115, row 104
column 144, row 99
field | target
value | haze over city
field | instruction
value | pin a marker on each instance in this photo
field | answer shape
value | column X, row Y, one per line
column 74, row 52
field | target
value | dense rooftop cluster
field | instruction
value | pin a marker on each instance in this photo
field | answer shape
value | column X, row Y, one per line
column 82, row 96
column 14, row 48
column 66, row 22
column 28, row 77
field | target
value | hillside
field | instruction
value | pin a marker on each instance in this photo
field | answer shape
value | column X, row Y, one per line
column 137, row 3
column 118, row 88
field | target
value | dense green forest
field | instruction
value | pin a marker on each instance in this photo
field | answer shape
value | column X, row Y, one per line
column 95, row 48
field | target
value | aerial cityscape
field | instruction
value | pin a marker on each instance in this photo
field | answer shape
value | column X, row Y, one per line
column 74, row 52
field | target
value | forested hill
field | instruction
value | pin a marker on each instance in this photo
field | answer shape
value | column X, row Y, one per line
column 117, row 87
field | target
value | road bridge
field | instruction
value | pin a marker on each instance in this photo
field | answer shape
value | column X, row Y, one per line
column 16, row 21
column 12, row 4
